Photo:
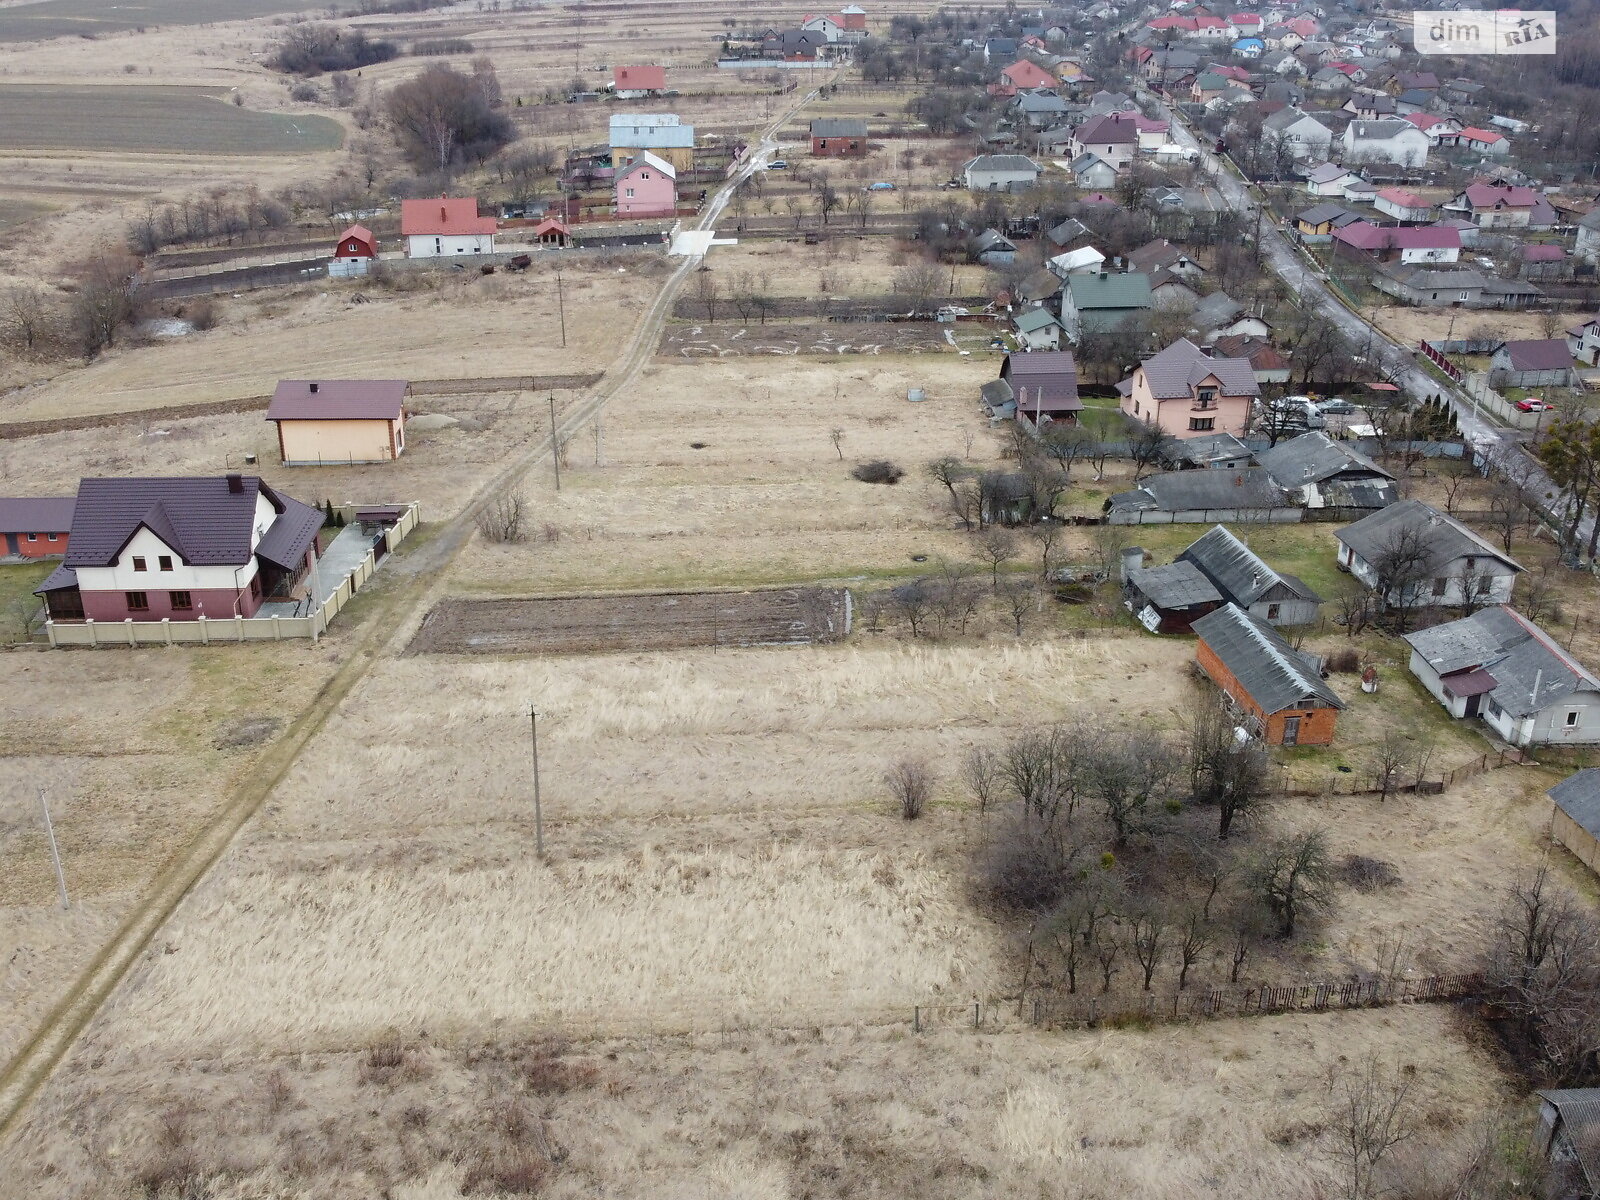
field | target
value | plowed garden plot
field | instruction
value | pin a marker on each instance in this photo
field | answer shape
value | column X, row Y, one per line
column 656, row 621
column 732, row 341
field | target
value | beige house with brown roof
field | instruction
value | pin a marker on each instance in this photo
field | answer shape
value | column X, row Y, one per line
column 1188, row 393
column 339, row 421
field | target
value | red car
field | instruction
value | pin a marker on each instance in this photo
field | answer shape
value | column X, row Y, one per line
column 1532, row 404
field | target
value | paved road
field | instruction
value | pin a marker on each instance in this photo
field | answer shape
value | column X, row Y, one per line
column 1399, row 364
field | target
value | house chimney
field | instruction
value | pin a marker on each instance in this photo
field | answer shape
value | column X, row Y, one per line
column 235, row 484
column 442, row 211
column 1132, row 560
column 313, row 389
column 1208, row 349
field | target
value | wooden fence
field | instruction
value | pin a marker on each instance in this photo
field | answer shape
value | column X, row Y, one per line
column 1082, row 1011
column 1362, row 785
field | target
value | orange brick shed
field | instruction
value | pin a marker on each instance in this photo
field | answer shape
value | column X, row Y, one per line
column 1280, row 689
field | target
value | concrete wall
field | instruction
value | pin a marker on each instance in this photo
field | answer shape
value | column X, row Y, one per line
column 449, row 245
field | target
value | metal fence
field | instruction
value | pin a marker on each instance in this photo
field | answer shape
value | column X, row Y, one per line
column 1081, row 1011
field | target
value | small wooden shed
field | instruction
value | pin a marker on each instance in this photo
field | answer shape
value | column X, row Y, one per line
column 1575, row 821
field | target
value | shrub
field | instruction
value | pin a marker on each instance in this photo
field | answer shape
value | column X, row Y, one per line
column 878, row 471
column 911, row 784
column 312, row 49
column 201, row 313
column 1344, row 661
column 1368, row 874
column 504, row 519
column 305, row 93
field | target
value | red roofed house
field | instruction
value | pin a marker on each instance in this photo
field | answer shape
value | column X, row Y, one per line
column 551, row 232
column 181, row 548
column 441, row 228
column 1022, row 75
column 339, row 421
column 634, row 83
column 1546, row 260
column 1113, row 136
column 1483, row 141
column 1246, row 22
column 648, row 187
column 1402, row 205
column 1497, row 205
column 1363, row 240
column 1212, row 29
column 1182, row 24
column 354, row 253
column 34, row 526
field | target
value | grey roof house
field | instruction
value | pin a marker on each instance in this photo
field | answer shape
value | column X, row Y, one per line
column 1498, row 665
column 1197, row 497
column 1000, row 173
column 1279, row 688
column 1045, row 384
column 1425, row 557
column 34, row 526
column 1244, row 578
column 1104, row 301
column 1536, row 363
column 1323, row 473
column 1170, row 598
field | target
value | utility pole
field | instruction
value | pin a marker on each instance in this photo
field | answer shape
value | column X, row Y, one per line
column 561, row 307
column 538, row 809
column 555, row 442
column 55, row 851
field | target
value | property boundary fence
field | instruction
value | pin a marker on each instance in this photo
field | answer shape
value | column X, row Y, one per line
column 203, row 630
column 1059, row 1011
column 1361, row 786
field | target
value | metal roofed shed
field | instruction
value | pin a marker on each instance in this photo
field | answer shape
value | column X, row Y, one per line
column 1170, row 598
column 1198, row 496
column 1245, row 579
column 1568, row 1138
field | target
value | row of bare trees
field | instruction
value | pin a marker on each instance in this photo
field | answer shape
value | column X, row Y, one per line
column 88, row 315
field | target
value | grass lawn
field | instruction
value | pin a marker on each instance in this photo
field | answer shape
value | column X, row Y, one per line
column 16, row 594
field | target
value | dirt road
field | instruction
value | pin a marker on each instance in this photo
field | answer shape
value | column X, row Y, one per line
column 416, row 579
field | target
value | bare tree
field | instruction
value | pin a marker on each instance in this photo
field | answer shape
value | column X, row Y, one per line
column 1125, row 771
column 913, row 604
column 1355, row 602
column 920, row 283
column 105, row 301
column 1108, row 542
column 1107, row 949
column 1148, row 926
column 1373, row 1111
column 996, row 548
column 504, row 518
column 1195, row 934
column 836, row 436
column 1146, row 441
column 1233, row 775
column 1021, row 597
column 1292, row 876
column 955, row 596
column 910, row 784
column 1389, row 761
column 25, row 318
column 984, row 776
column 1046, row 535
column 1246, row 925
column 707, row 291
column 1400, row 568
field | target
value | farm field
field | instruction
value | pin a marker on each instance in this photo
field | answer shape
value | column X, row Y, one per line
column 123, row 119
column 92, row 18
column 670, row 620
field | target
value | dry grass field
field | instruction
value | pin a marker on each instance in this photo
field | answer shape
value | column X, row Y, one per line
column 1408, row 326
column 133, row 770
column 456, row 325
column 441, row 468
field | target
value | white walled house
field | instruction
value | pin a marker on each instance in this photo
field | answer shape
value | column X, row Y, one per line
column 1448, row 564
column 1000, row 173
column 443, row 228
column 1498, row 665
column 181, row 548
column 1397, row 141
column 1304, row 135
column 1588, row 244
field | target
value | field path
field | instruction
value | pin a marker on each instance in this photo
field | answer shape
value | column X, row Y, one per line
column 422, row 573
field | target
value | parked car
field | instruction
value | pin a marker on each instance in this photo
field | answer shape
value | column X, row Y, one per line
column 778, row 164
column 879, row 187
column 1532, row 404
column 1336, row 406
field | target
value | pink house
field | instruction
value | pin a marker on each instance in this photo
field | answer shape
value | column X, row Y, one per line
column 648, row 187
column 1188, row 393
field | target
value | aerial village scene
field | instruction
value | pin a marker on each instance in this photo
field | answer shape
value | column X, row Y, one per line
column 664, row 599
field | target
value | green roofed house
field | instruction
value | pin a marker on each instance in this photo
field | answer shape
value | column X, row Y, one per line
column 1104, row 301
column 1038, row 329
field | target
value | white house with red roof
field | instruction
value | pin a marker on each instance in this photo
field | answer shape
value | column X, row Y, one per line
column 1482, row 141
column 354, row 253
column 636, row 83
column 445, row 228
column 1403, row 205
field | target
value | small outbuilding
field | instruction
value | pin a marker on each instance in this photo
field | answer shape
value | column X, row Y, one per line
column 339, row 421
column 551, row 232
column 1575, row 819
column 35, row 526
column 354, row 254
column 838, row 137
column 1279, row 689
column 1170, row 598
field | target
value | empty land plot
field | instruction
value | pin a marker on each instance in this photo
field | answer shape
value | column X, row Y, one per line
column 134, row 770
column 722, row 474
column 452, row 327
column 90, row 18
column 120, row 119
column 15, row 211
column 729, row 340
column 657, row 621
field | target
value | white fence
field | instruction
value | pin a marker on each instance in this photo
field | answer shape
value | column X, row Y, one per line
column 203, row 631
